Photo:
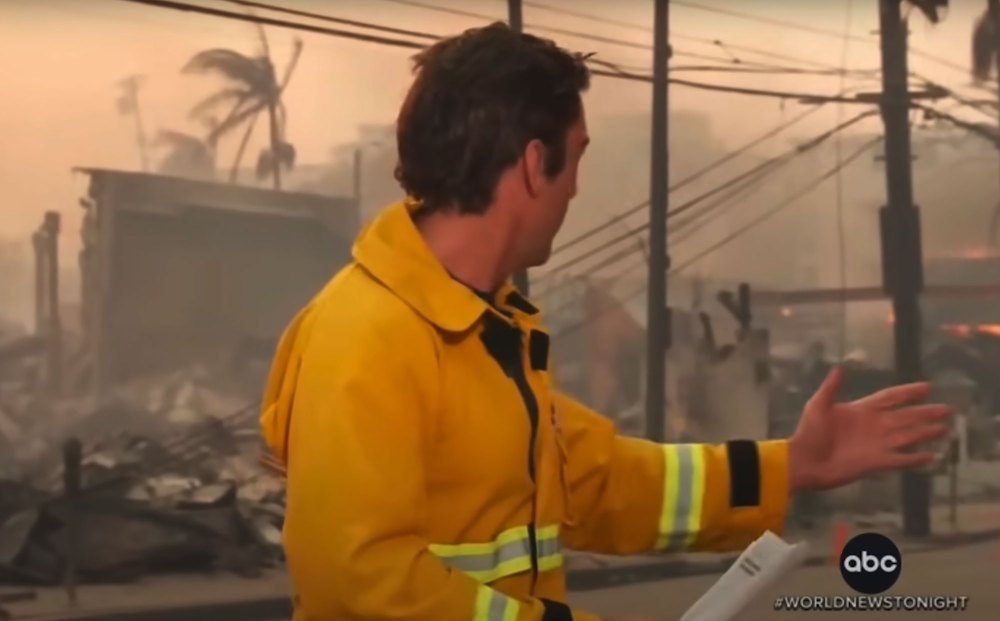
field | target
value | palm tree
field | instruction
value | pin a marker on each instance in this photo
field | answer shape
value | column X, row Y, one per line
column 253, row 88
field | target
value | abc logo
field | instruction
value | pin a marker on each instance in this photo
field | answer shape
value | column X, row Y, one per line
column 870, row 563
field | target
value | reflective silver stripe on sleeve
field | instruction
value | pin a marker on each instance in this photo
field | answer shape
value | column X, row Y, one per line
column 683, row 492
column 508, row 554
column 491, row 605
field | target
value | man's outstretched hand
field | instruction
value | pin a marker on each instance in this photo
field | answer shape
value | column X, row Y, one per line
column 837, row 443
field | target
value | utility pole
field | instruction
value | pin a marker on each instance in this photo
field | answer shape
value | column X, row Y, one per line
column 516, row 21
column 993, row 7
column 902, row 260
column 658, row 314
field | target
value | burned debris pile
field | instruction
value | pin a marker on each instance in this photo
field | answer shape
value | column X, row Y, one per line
column 163, row 474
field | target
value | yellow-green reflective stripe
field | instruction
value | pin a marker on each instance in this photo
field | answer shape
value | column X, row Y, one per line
column 509, row 554
column 549, row 548
column 683, row 495
column 494, row 606
column 512, row 535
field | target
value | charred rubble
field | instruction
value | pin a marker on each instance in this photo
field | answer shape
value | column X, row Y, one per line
column 169, row 477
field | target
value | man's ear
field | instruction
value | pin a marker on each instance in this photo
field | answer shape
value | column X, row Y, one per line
column 534, row 166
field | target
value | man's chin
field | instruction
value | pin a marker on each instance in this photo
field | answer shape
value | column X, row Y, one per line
column 541, row 259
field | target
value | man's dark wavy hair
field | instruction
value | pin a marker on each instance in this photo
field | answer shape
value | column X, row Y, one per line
column 476, row 102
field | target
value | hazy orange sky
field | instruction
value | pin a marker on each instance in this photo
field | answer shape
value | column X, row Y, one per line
column 61, row 59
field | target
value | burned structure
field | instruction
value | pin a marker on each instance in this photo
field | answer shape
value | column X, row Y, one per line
column 129, row 443
column 176, row 271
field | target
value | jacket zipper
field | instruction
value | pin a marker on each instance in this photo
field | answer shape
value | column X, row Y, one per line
column 531, row 405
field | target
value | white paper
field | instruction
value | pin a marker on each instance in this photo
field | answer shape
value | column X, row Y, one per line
column 760, row 567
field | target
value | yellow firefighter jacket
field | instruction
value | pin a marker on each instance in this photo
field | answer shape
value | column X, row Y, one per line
column 434, row 473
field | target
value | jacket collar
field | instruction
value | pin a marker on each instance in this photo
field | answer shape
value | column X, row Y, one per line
column 392, row 250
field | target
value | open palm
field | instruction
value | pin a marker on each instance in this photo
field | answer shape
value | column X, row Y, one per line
column 837, row 443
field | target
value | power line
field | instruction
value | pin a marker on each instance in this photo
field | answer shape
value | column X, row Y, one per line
column 693, row 5
column 716, row 164
column 760, row 19
column 780, row 206
column 269, row 21
column 672, row 213
column 619, row 74
column 816, row 31
column 679, row 232
column 689, row 226
column 979, row 130
column 977, row 106
column 711, row 212
column 436, row 37
column 721, row 161
column 755, row 174
column 329, row 18
column 443, row 9
column 572, row 33
column 714, row 42
column 725, row 241
column 691, row 204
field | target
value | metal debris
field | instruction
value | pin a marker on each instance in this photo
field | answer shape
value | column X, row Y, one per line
column 170, row 479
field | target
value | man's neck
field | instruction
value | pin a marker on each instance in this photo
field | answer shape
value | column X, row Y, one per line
column 471, row 248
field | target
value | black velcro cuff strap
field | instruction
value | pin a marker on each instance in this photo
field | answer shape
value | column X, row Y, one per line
column 556, row 611
column 744, row 473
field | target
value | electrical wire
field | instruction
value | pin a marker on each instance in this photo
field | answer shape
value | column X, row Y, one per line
column 617, row 73
column 573, row 33
column 684, row 37
column 713, row 211
column 721, row 161
column 742, row 182
column 330, row 18
column 688, row 205
column 816, row 31
column 689, row 226
column 991, row 135
column 780, row 206
column 435, row 37
column 791, row 200
column 977, row 106
column 270, row 21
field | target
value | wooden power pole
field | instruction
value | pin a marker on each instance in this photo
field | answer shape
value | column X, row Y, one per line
column 993, row 10
column 902, row 256
column 658, row 317
column 516, row 21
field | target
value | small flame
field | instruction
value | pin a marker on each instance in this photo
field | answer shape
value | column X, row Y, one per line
column 891, row 317
column 786, row 312
column 978, row 253
column 959, row 330
column 966, row 330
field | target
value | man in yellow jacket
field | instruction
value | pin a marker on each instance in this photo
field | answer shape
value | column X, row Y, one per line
column 434, row 471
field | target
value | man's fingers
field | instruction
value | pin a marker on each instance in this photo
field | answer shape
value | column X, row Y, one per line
column 911, row 460
column 920, row 435
column 895, row 396
column 918, row 415
column 826, row 395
